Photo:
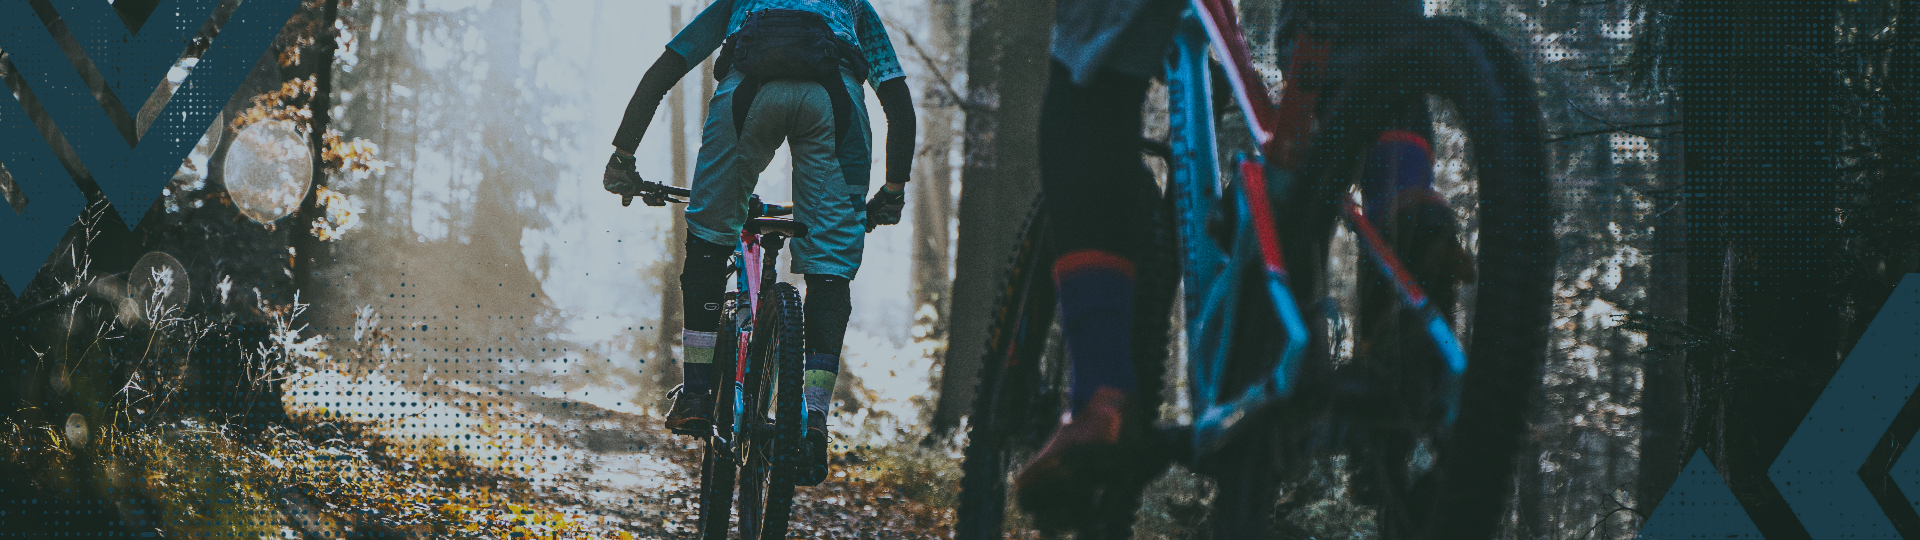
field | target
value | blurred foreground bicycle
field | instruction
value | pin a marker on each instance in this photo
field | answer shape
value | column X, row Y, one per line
column 1308, row 337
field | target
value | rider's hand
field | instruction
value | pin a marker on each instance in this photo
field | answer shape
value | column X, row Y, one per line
column 885, row 207
column 621, row 177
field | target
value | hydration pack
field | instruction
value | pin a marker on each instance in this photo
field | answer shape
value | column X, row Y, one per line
column 787, row 44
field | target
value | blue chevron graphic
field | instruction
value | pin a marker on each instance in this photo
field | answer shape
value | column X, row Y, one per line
column 28, row 238
column 1906, row 473
column 132, row 66
column 1699, row 505
column 1818, row 472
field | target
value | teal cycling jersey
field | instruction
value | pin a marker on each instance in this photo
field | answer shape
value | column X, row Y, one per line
column 853, row 21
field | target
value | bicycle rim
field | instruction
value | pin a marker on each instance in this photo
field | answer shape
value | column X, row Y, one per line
column 1466, row 483
column 1009, row 374
column 774, row 408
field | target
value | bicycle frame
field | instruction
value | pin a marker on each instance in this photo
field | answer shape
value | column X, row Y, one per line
column 1213, row 277
column 748, row 258
column 756, row 268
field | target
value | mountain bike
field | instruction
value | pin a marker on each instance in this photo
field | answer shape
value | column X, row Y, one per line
column 1413, row 382
column 759, row 418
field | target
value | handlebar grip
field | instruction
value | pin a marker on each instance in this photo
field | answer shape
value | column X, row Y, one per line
column 777, row 209
column 656, row 194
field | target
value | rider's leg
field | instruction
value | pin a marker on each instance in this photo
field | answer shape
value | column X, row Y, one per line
column 1096, row 189
column 730, row 160
column 702, row 288
column 832, row 161
column 1396, row 183
column 829, row 303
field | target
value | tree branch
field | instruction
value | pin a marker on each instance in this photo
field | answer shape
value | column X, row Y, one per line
column 934, row 67
column 1614, row 129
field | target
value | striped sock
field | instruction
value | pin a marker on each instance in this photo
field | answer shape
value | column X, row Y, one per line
column 823, row 370
column 1096, row 320
column 697, row 371
column 1400, row 160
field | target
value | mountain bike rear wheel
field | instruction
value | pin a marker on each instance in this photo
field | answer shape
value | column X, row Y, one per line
column 718, row 465
column 1430, row 478
column 1003, row 418
column 773, row 416
column 1023, row 387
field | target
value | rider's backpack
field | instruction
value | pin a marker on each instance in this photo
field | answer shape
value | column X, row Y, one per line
column 787, row 44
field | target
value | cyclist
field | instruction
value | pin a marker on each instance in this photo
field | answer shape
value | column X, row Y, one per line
column 791, row 71
column 1094, row 182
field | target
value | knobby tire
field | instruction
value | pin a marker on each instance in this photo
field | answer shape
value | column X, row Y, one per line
column 774, row 407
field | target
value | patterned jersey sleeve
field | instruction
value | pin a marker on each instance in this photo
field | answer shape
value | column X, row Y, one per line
column 704, row 34
column 877, row 47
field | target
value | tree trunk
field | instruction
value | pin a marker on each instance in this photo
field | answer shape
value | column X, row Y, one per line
column 1663, row 393
column 305, row 245
column 670, row 309
column 1007, row 55
column 933, row 196
column 1761, row 224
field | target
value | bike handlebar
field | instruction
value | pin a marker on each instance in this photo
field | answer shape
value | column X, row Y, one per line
column 657, row 194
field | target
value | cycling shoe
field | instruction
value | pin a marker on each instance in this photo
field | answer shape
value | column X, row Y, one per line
column 1098, row 447
column 813, row 452
column 689, row 415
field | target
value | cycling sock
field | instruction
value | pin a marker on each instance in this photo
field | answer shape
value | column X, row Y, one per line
column 823, row 370
column 829, row 304
column 1096, row 320
column 1399, row 161
column 703, row 285
column 697, row 370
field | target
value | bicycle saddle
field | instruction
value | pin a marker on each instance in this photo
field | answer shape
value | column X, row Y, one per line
column 784, row 226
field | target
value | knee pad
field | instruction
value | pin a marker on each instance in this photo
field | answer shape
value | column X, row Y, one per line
column 829, row 304
column 703, row 283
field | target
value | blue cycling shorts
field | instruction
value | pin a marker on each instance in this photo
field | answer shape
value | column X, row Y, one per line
column 831, row 169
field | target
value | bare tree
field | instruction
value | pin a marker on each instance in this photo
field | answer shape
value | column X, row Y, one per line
column 1007, row 52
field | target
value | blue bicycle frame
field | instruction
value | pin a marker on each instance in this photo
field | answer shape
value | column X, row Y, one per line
column 1213, row 278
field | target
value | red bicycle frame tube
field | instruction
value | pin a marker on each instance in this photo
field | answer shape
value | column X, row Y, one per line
column 750, row 268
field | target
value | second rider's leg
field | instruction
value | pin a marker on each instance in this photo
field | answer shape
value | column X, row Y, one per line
column 1097, row 189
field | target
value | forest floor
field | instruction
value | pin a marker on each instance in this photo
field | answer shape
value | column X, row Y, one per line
column 561, row 468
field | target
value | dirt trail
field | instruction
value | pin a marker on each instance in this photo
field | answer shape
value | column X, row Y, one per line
column 620, row 468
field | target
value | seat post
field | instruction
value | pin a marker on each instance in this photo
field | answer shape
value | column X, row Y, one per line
column 770, row 244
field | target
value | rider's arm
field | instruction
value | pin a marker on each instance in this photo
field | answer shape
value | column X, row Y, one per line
column 694, row 43
column 897, row 103
column 646, row 98
column 890, row 85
